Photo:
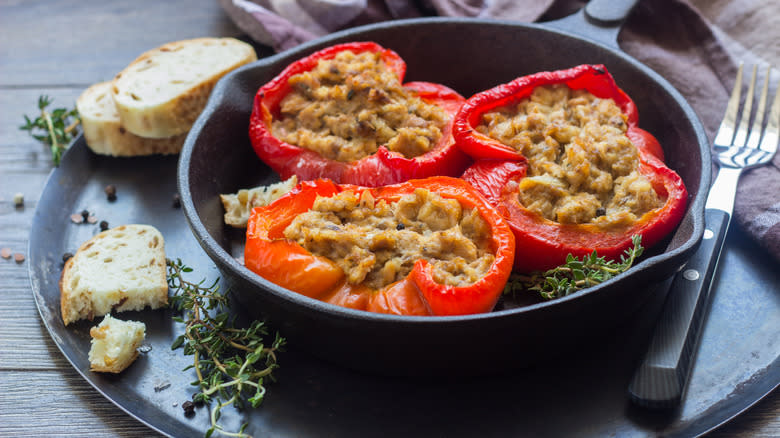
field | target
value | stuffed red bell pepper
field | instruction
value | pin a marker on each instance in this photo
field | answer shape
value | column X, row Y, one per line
column 570, row 170
column 343, row 113
column 422, row 247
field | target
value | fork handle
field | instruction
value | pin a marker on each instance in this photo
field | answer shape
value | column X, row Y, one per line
column 661, row 379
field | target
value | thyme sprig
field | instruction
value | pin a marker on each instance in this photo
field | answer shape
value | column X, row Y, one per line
column 574, row 275
column 55, row 128
column 231, row 363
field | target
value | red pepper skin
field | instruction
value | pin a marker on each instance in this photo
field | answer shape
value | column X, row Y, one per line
column 593, row 78
column 287, row 264
column 542, row 244
column 382, row 168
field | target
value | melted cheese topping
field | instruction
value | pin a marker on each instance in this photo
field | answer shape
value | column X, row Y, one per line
column 348, row 106
column 582, row 168
column 377, row 243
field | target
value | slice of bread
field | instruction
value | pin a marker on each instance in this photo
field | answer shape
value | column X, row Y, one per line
column 105, row 134
column 119, row 269
column 114, row 344
column 239, row 205
column 163, row 91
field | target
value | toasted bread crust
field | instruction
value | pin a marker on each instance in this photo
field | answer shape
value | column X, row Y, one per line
column 157, row 96
column 104, row 133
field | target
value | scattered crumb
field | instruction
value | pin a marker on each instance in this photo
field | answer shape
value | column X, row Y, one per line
column 5, row 253
column 18, row 200
column 92, row 219
column 160, row 386
column 145, row 348
column 76, row 218
column 19, row 257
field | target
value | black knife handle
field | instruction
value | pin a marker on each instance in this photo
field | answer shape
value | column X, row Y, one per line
column 660, row 380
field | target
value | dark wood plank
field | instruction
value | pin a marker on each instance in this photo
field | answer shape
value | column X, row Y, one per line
column 82, row 42
column 68, row 407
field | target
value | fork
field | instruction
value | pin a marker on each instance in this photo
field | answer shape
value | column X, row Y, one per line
column 662, row 377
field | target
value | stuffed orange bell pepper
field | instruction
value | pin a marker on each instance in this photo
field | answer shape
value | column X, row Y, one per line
column 423, row 247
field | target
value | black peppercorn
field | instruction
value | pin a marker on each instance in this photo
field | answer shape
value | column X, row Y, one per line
column 67, row 256
column 103, row 225
column 189, row 408
column 601, row 211
column 400, row 227
column 176, row 200
column 85, row 214
column 110, row 191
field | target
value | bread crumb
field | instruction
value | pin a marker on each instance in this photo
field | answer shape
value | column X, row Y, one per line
column 239, row 205
column 114, row 344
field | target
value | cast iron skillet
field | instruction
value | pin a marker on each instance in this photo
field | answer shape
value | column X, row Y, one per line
column 468, row 55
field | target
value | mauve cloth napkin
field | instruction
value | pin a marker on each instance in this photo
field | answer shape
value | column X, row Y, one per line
column 669, row 36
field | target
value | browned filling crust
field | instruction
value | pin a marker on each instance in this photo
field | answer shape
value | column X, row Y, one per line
column 377, row 243
column 348, row 106
column 582, row 168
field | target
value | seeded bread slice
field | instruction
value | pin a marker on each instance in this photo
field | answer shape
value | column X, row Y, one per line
column 105, row 134
column 163, row 91
column 119, row 269
column 114, row 344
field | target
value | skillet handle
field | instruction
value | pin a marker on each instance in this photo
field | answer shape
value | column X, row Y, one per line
column 599, row 20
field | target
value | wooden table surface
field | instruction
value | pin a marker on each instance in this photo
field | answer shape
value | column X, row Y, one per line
column 59, row 48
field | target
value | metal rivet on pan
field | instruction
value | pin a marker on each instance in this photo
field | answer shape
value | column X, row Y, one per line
column 708, row 233
column 691, row 274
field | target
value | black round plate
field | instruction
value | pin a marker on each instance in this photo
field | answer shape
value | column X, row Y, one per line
column 581, row 393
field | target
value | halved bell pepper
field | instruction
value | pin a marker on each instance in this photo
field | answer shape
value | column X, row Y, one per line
column 593, row 78
column 381, row 168
column 544, row 244
column 269, row 254
column 541, row 243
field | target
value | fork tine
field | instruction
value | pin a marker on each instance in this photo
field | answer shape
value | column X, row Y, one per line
column 758, row 121
column 772, row 132
column 742, row 130
column 727, row 126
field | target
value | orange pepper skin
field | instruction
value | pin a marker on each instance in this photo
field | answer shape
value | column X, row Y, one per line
column 382, row 168
column 283, row 262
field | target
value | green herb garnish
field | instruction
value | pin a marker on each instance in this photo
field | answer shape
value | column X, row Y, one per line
column 574, row 275
column 55, row 128
column 231, row 363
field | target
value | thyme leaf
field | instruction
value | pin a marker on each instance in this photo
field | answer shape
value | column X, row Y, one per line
column 55, row 128
column 232, row 364
column 575, row 274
